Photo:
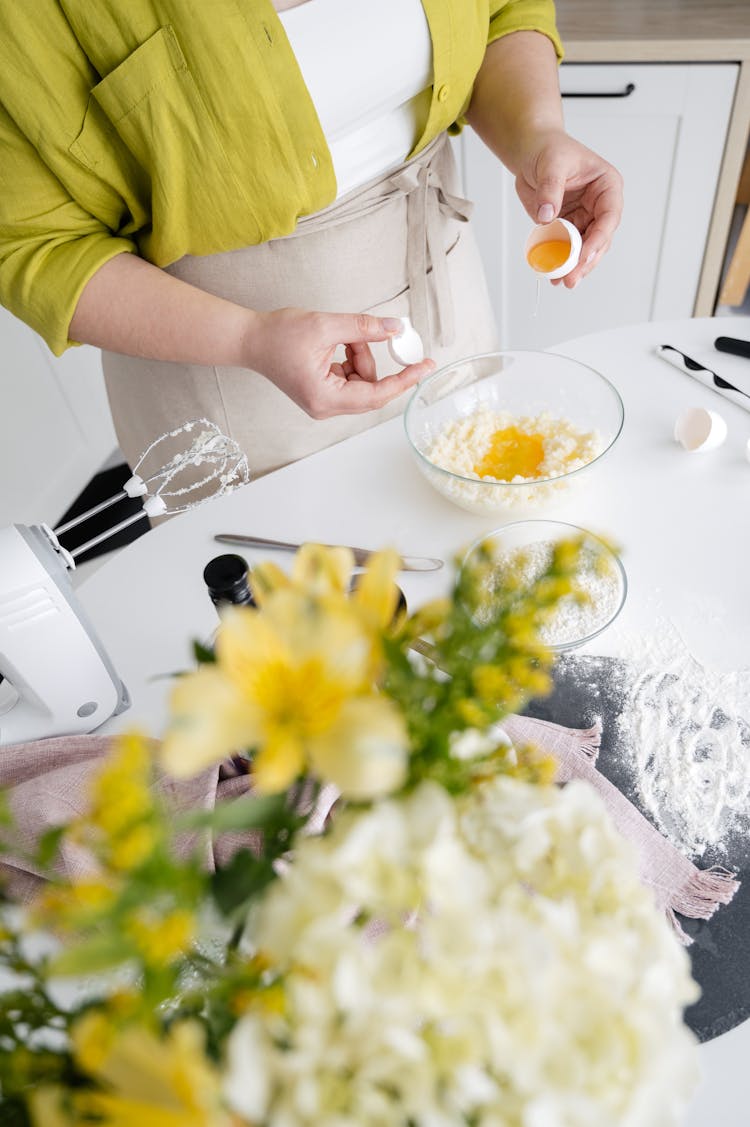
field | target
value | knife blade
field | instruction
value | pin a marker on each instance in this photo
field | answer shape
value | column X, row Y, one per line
column 361, row 555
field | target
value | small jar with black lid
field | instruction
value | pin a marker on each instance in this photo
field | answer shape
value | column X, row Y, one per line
column 226, row 578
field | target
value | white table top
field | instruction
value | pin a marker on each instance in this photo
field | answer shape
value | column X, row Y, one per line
column 681, row 519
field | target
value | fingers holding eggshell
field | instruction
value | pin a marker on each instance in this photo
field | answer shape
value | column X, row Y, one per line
column 406, row 346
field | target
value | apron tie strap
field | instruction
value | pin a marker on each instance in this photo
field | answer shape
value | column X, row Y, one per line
column 427, row 206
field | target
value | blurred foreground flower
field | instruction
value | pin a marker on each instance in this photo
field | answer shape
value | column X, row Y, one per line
column 503, row 966
column 142, row 1080
column 464, row 944
column 293, row 682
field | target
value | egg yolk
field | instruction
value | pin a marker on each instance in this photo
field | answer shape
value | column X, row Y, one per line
column 548, row 256
column 511, row 453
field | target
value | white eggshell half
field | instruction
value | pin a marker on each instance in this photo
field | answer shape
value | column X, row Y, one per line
column 698, row 429
column 747, row 449
column 406, row 346
column 557, row 229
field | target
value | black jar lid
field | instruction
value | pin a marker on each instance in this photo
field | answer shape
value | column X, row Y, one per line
column 226, row 579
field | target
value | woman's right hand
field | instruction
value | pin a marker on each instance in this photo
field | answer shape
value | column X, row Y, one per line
column 133, row 307
column 295, row 349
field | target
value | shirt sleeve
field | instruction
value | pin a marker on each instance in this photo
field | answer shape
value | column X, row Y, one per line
column 524, row 15
column 507, row 16
column 49, row 245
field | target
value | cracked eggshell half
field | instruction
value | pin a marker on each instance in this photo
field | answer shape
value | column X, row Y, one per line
column 406, row 346
column 698, row 429
column 559, row 231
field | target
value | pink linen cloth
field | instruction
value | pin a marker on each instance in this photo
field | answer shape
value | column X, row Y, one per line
column 47, row 783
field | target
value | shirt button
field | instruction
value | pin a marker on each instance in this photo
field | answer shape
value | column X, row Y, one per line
column 443, row 93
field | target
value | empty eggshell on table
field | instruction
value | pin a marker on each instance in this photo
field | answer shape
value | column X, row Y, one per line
column 698, row 429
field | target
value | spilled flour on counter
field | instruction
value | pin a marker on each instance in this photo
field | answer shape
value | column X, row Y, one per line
column 687, row 729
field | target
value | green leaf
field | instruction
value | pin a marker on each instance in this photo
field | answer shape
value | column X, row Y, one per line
column 48, row 845
column 14, row 1111
column 91, row 956
column 242, row 879
column 245, row 813
column 6, row 815
column 203, row 654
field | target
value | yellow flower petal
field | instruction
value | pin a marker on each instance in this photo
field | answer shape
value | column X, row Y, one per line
column 278, row 764
column 364, row 754
column 154, row 1082
column 319, row 571
column 265, row 578
column 209, row 719
column 93, row 1037
column 331, row 635
column 247, row 639
column 47, row 1107
column 376, row 594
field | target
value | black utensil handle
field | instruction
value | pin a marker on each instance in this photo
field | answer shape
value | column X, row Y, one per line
column 624, row 93
column 733, row 345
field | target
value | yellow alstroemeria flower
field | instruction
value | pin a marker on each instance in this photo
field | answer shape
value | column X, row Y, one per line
column 144, row 1080
column 325, row 573
column 287, row 682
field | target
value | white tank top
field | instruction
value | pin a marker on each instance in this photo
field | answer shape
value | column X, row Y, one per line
column 368, row 68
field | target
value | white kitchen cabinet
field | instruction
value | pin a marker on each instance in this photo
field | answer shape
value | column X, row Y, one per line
column 664, row 127
column 55, row 425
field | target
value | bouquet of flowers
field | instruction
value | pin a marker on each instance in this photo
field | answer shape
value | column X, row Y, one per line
column 417, row 927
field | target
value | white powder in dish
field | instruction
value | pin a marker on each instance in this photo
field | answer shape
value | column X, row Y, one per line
column 461, row 444
column 598, row 581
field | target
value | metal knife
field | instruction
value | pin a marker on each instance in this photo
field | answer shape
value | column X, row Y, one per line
column 361, row 555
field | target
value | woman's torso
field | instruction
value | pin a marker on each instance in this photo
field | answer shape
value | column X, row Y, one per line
column 369, row 79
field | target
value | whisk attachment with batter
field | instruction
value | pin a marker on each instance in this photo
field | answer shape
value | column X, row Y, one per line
column 210, row 466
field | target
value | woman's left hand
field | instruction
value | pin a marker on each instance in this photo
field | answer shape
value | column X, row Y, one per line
column 558, row 176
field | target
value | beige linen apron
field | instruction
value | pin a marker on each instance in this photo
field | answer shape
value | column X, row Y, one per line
column 401, row 245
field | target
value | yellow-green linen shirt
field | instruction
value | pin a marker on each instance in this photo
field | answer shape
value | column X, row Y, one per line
column 172, row 127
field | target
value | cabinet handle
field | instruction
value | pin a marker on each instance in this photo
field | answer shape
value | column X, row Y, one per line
column 629, row 89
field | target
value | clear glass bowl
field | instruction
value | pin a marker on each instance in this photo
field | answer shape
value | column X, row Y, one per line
column 601, row 576
column 574, row 399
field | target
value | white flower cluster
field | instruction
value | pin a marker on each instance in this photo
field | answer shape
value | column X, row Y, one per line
column 492, row 960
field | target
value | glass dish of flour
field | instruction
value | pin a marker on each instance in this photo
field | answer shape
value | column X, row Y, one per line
column 525, row 549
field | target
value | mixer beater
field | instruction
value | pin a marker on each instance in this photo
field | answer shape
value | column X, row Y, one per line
column 55, row 675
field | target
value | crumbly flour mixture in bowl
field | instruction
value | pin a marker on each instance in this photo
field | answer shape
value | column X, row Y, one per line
column 489, row 446
column 468, row 446
column 508, row 432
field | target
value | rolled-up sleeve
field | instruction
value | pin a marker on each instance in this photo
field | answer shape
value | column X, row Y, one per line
column 49, row 245
column 524, row 15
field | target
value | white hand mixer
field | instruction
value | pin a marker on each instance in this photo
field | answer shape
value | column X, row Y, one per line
column 55, row 676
